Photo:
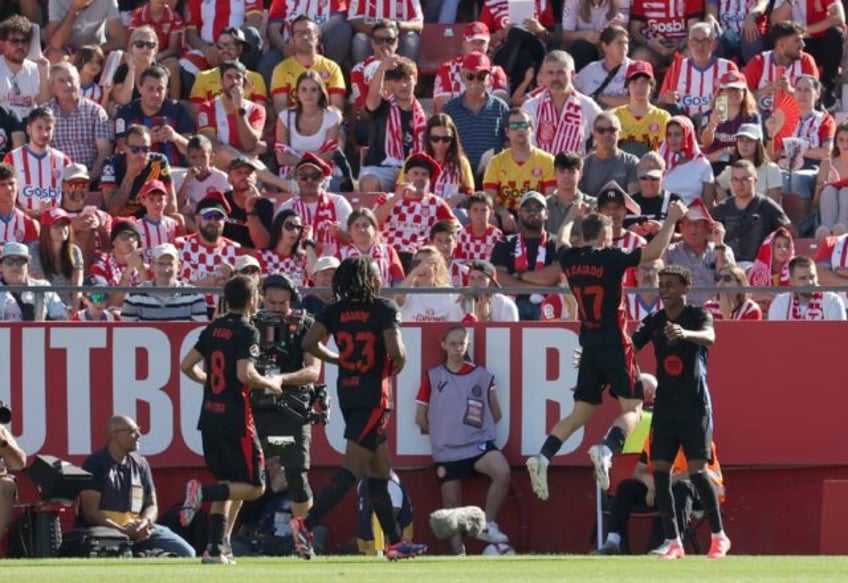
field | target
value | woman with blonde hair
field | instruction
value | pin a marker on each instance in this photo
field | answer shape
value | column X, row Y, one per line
column 733, row 305
column 429, row 270
column 141, row 54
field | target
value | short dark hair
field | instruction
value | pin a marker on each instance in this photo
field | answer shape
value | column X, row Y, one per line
column 442, row 227
column 681, row 273
column 784, row 29
column 568, row 161
column 479, row 197
column 594, row 225
column 384, row 24
column 227, row 65
column 612, row 32
column 156, row 72
column 137, row 130
column 199, row 142
column 238, row 292
column 16, row 23
column 799, row 261
column 7, row 172
column 404, row 69
column 40, row 112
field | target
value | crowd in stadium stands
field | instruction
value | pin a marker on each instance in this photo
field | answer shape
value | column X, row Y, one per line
column 177, row 142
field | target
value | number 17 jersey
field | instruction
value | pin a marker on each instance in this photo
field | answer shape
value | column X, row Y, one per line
column 364, row 367
column 594, row 276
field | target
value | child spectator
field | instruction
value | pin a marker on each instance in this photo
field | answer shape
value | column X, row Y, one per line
column 155, row 228
column 477, row 239
column 200, row 178
column 89, row 62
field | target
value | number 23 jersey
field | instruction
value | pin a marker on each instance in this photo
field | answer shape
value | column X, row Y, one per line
column 594, row 276
column 364, row 367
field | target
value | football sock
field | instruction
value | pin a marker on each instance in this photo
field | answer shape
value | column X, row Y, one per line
column 665, row 504
column 215, row 492
column 342, row 481
column 217, row 530
column 613, row 539
column 551, row 446
column 381, row 502
column 709, row 499
column 615, row 439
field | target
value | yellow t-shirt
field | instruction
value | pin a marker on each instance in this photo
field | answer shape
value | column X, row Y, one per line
column 510, row 180
column 648, row 129
column 207, row 86
column 284, row 78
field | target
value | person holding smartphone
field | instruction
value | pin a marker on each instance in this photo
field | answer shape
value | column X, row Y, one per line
column 733, row 105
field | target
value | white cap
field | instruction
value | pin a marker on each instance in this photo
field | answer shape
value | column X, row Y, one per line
column 326, row 262
column 245, row 261
column 164, row 249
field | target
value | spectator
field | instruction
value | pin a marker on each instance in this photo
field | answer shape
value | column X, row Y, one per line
column 23, row 83
column 15, row 224
column 455, row 180
column 562, row 117
column 460, row 419
column 614, row 203
column 771, row 267
column 12, row 459
column 406, row 13
column 25, row 306
column 141, row 306
column 566, row 203
column 39, row 165
column 732, row 306
column 124, row 266
column 559, row 307
column 638, row 305
column 401, row 504
column 232, row 46
column 200, row 178
column 396, row 122
column 747, row 217
column 689, row 85
column 95, row 308
column 168, row 120
column 701, row 250
column 519, row 169
column 825, row 32
column 90, row 225
column 779, row 68
column 321, row 275
column 365, row 239
column 659, row 31
column 749, row 146
column 429, row 270
column 832, row 261
column 529, row 249
column 122, row 495
column 492, row 306
column 11, row 130
column 248, row 265
column 407, row 215
column 155, row 228
column 608, row 162
column 56, row 258
column 743, row 27
column 126, row 173
column 204, row 23
column 831, row 194
column 480, row 117
column 719, row 127
column 168, row 25
column 519, row 46
column 140, row 56
column 448, row 83
column 89, row 62
column 653, row 199
column 76, row 23
column 83, row 130
column 306, row 35
column 202, row 253
column 806, row 305
column 331, row 19
column 384, row 41
column 286, row 254
column 688, row 173
column 324, row 214
column 477, row 239
column 442, row 236
column 605, row 80
column 312, row 126
column 642, row 123
column 583, row 23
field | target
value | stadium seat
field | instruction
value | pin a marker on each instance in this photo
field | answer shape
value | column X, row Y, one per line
column 439, row 43
column 806, row 247
column 794, row 207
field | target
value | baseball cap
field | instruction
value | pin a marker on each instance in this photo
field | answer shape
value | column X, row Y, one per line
column 653, row 173
column 164, row 249
column 236, row 33
column 532, row 195
column 476, row 31
column 245, row 261
column 243, row 161
column 476, row 61
column 310, row 159
column 750, row 130
column 51, row 216
column 14, row 249
column 152, row 186
column 486, row 268
column 214, row 201
column 612, row 192
column 639, row 68
column 75, row 172
column 325, row 262
column 732, row 80
column 698, row 212
column 119, row 226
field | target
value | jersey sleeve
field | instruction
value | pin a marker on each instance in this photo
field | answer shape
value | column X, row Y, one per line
column 206, row 117
column 335, row 82
column 248, row 347
column 754, row 71
column 390, row 319
column 642, row 335
column 201, row 344
column 423, row 395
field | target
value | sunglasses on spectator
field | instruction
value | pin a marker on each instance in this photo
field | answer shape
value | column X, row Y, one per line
column 127, row 235
column 249, row 271
column 78, row 183
column 606, row 130
column 385, row 40
column 18, row 40
column 518, row 125
column 727, row 278
column 15, row 261
column 310, row 176
column 443, row 139
column 98, row 297
column 139, row 149
column 144, row 44
column 481, row 76
column 212, row 216
column 292, row 227
column 651, row 178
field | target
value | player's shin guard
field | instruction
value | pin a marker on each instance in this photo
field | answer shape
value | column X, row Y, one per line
column 551, row 446
column 342, row 481
column 615, row 439
column 709, row 499
column 381, row 502
column 665, row 504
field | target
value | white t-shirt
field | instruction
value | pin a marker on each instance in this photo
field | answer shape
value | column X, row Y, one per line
column 687, row 180
column 18, row 91
column 832, row 306
column 504, row 309
column 768, row 176
column 431, row 308
column 197, row 189
column 592, row 75
column 313, row 143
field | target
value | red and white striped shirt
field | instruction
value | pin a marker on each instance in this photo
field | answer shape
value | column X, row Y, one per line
column 18, row 228
column 408, row 225
column 471, row 248
column 637, row 309
column 39, row 177
column 213, row 115
column 449, row 79
column 294, row 266
column 732, row 14
column 747, row 310
column 155, row 233
column 210, row 17
column 762, row 70
column 666, row 19
column 696, row 86
column 93, row 92
column 397, row 10
column 171, row 22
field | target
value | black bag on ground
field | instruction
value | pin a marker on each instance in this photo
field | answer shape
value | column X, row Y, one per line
column 96, row 542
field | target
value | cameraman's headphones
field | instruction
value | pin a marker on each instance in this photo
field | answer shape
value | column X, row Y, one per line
column 281, row 281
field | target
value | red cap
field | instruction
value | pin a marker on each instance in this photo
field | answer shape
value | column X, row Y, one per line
column 698, row 212
column 152, row 186
column 476, row 30
column 423, row 160
column 51, row 216
column 639, row 68
column 476, row 61
column 214, row 200
column 732, row 79
column 310, row 159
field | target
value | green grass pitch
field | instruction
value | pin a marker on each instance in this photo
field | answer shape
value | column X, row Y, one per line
column 520, row 569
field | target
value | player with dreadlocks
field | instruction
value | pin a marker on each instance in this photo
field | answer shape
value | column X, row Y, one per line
column 366, row 329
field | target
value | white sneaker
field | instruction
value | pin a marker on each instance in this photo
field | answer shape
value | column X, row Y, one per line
column 537, row 465
column 601, row 457
column 492, row 534
column 660, row 550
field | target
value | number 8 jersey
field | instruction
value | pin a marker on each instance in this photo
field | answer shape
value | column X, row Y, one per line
column 364, row 368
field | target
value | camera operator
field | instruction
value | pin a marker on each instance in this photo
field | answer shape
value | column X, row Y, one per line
column 12, row 458
column 281, row 331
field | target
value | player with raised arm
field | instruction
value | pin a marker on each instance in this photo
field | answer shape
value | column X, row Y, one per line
column 682, row 335
column 594, row 274
column 366, row 329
